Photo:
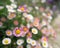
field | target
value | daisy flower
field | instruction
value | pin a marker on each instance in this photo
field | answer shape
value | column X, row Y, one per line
column 25, row 30
column 12, row 1
column 45, row 31
column 14, row 5
column 10, row 8
column 29, row 34
column 45, row 44
column 33, row 43
column 36, row 22
column 20, row 46
column 30, row 17
column 34, row 31
column 22, row 9
column 29, row 40
column 1, row 7
column 15, row 22
column 44, row 22
column 20, row 42
column 11, row 15
column 44, row 39
column 17, row 32
column 6, row 41
column 9, row 33
column 3, row 19
column 43, row 1
column 29, row 46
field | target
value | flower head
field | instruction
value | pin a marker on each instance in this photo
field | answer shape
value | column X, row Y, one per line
column 6, row 41
column 25, row 29
column 15, row 22
column 20, row 46
column 29, row 40
column 11, row 15
column 34, row 31
column 17, row 32
column 20, row 42
column 44, row 44
column 8, row 32
column 44, row 38
column 29, row 34
column 33, row 43
column 22, row 9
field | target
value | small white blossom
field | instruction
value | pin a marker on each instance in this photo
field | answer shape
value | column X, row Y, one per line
column 6, row 41
column 34, row 31
column 20, row 41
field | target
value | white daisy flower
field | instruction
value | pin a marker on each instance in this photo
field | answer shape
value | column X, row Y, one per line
column 10, row 10
column 6, row 41
column 20, row 41
column 14, row 5
column 29, row 40
column 43, row 14
column 12, row 1
column 34, row 31
column 28, row 25
column 25, row 14
column 44, row 44
column 1, row 7
column 29, row 9
column 36, row 7
column 43, row 1
column 30, row 17
column 33, row 43
column 20, row 46
column 9, row 7
column 50, row 17
column 28, row 46
column 44, row 23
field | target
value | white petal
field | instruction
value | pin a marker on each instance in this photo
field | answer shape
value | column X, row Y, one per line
column 34, row 31
column 33, row 43
column 28, row 46
column 20, row 41
column 14, row 5
column 1, row 7
column 29, row 40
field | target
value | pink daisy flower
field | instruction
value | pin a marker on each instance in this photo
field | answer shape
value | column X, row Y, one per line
column 25, row 30
column 45, row 31
column 3, row 19
column 44, row 38
column 22, row 9
column 17, row 32
column 9, row 33
column 29, row 34
column 15, row 22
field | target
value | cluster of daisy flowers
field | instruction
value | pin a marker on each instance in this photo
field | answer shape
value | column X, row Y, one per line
column 36, row 32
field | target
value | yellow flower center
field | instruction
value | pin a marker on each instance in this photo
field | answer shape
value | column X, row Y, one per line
column 32, row 42
column 48, row 14
column 44, row 44
column 25, row 29
column 22, row 8
column 33, row 31
column 8, row 33
column 6, row 41
column 28, row 34
column 44, row 39
column 12, row 14
column 18, row 31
